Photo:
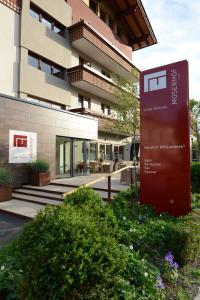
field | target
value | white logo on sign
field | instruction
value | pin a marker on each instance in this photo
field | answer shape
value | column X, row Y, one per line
column 155, row 81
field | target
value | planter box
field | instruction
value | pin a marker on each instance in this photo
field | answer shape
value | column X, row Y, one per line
column 5, row 193
column 40, row 178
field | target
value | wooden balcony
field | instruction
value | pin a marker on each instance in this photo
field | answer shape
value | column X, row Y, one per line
column 85, row 39
column 86, row 79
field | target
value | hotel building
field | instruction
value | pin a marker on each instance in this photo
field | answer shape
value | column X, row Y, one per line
column 57, row 60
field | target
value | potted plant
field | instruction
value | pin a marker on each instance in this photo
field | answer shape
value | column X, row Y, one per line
column 5, row 185
column 40, row 174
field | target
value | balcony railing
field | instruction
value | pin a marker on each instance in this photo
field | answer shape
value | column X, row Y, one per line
column 86, row 79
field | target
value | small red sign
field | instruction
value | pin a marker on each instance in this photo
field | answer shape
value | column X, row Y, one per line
column 165, row 145
column 20, row 141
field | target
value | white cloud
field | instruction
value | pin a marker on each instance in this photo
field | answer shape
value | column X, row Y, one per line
column 176, row 24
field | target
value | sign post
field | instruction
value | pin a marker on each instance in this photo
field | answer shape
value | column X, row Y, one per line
column 165, row 142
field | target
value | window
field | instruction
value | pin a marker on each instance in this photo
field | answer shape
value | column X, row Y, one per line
column 102, row 15
column 105, row 109
column 119, row 33
column 108, row 152
column 93, row 6
column 111, row 23
column 47, row 20
column 93, row 151
column 46, row 103
column 46, row 66
column 105, row 73
column 58, row 72
column 34, row 13
column 84, row 102
column 33, row 61
column 83, row 61
column 116, row 153
column 121, row 152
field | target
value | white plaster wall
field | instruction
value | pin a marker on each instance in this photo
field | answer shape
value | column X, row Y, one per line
column 9, row 53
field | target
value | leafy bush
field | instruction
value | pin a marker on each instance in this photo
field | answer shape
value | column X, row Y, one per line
column 40, row 165
column 155, row 235
column 87, row 250
column 196, row 201
column 74, row 252
column 5, row 177
column 10, row 272
column 195, row 177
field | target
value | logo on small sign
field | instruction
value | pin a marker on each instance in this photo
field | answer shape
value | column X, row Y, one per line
column 20, row 141
column 155, row 81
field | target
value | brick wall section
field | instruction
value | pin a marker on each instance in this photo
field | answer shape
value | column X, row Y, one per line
column 12, row 4
column 47, row 123
column 80, row 73
column 82, row 31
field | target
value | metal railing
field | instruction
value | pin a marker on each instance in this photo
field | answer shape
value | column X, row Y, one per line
column 109, row 184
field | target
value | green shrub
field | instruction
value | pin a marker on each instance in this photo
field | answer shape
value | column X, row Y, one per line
column 195, row 201
column 74, row 251
column 195, row 177
column 10, row 272
column 155, row 235
column 40, row 165
column 5, row 177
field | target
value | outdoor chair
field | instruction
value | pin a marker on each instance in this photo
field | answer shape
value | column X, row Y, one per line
column 108, row 166
column 94, row 166
column 126, row 176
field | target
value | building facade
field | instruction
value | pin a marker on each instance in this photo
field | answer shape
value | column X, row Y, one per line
column 57, row 60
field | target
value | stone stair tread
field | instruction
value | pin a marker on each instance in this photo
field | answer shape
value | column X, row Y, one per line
column 38, row 193
column 21, row 208
column 49, row 188
column 38, row 199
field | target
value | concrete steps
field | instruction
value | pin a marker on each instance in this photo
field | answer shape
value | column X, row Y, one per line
column 35, row 199
column 28, row 200
column 20, row 208
column 38, row 193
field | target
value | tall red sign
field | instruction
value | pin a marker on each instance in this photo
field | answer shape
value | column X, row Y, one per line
column 165, row 142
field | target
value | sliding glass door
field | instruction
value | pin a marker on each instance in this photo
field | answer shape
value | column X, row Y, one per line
column 72, row 156
column 63, row 156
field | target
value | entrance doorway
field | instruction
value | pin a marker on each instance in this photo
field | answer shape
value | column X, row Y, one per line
column 72, row 156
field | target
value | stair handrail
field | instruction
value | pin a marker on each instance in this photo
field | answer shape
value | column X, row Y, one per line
column 101, row 178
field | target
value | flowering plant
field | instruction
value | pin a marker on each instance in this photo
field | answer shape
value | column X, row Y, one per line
column 170, row 268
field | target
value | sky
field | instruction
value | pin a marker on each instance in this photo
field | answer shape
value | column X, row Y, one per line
column 176, row 24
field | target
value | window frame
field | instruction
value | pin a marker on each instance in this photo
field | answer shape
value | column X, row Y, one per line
column 44, row 16
column 52, row 65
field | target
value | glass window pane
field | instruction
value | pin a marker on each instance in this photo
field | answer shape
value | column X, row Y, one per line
column 59, row 30
column 86, row 103
column 46, row 67
column 108, row 152
column 102, row 152
column 93, row 151
column 121, row 152
column 93, row 6
column 46, row 23
column 102, row 15
column 33, row 61
column 34, row 14
column 116, row 153
column 111, row 23
column 58, row 72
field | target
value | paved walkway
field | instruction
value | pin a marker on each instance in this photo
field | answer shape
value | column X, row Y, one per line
column 198, row 296
column 80, row 180
column 10, row 227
